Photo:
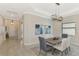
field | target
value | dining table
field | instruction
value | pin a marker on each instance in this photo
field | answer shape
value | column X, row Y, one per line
column 54, row 42
column 61, row 44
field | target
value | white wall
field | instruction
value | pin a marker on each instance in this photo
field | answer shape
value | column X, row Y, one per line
column 74, row 18
column 12, row 28
column 57, row 27
column 2, row 30
column 29, row 28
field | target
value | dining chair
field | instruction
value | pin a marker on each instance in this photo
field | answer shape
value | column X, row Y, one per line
column 68, row 44
column 43, row 46
column 61, row 47
column 64, row 35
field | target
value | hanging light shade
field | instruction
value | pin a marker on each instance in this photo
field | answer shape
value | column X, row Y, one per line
column 56, row 17
column 60, row 18
column 12, row 22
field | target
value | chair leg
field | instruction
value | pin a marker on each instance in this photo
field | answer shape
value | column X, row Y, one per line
column 61, row 53
column 39, row 52
column 53, row 51
column 66, row 51
column 69, row 48
column 45, row 53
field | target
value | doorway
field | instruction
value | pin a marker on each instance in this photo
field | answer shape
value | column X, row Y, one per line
column 12, row 29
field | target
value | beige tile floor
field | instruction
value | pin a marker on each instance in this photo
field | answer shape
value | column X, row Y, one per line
column 14, row 47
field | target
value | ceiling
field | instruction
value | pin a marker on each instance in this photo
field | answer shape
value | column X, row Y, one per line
column 41, row 9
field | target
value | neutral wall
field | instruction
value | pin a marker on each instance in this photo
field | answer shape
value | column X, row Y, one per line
column 12, row 28
column 29, row 28
column 57, row 28
column 74, row 18
column 2, row 30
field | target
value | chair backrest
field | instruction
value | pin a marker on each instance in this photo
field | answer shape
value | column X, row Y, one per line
column 64, row 36
column 61, row 46
column 68, row 42
column 42, row 43
column 64, row 44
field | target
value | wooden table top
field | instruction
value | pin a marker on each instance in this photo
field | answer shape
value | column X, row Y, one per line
column 53, row 42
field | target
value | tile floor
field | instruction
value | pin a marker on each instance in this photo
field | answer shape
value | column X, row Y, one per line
column 13, row 47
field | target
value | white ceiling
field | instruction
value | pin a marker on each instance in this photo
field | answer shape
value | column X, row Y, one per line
column 42, row 9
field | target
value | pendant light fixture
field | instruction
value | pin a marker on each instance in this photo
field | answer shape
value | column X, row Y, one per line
column 12, row 22
column 57, row 15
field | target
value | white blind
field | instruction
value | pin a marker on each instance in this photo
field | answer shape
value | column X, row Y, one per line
column 69, row 28
column 69, row 25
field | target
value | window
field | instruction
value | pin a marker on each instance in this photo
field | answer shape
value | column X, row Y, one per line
column 69, row 28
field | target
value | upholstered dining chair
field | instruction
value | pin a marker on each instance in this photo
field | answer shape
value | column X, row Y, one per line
column 68, row 44
column 61, row 47
column 43, row 46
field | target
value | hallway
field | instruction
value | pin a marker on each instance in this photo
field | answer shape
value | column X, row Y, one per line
column 14, row 47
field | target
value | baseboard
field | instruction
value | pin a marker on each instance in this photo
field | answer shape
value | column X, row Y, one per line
column 75, row 43
column 32, row 45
